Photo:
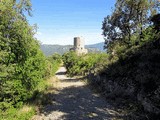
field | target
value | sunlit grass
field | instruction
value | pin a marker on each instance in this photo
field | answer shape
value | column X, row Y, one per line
column 24, row 113
column 27, row 111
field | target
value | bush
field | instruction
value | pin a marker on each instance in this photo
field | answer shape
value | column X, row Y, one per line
column 52, row 64
column 22, row 64
column 81, row 65
column 24, row 113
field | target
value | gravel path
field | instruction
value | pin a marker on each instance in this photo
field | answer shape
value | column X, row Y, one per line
column 73, row 100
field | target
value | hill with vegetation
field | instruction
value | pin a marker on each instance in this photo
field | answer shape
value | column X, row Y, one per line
column 129, row 73
column 61, row 49
column 51, row 49
column 99, row 46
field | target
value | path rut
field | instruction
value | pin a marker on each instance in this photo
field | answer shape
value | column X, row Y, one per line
column 73, row 100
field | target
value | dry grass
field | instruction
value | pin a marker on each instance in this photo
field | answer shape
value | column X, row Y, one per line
column 25, row 109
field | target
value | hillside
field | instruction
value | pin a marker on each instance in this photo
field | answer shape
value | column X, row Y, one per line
column 51, row 49
column 61, row 49
column 99, row 46
column 133, row 79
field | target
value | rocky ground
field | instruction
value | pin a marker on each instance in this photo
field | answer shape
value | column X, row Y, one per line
column 73, row 100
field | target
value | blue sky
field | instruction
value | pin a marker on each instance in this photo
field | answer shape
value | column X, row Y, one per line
column 59, row 21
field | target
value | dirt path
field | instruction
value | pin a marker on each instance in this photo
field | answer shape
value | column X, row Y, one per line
column 73, row 100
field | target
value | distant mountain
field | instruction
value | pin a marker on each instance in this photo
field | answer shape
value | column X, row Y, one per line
column 51, row 49
column 61, row 49
column 99, row 46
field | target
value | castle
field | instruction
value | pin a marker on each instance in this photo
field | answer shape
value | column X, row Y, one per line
column 79, row 46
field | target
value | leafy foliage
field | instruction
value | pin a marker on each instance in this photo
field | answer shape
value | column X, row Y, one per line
column 23, row 67
column 53, row 62
column 24, row 113
column 131, row 71
column 81, row 65
column 22, row 64
column 129, row 17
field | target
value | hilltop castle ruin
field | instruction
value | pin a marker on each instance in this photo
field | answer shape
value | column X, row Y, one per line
column 79, row 46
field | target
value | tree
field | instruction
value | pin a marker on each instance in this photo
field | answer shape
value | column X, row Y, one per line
column 22, row 64
column 156, row 22
column 129, row 17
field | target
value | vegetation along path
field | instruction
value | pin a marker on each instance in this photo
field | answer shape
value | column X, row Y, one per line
column 73, row 100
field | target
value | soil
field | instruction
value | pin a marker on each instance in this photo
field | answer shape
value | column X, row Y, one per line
column 72, row 99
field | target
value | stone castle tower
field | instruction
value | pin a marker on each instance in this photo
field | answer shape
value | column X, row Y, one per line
column 79, row 46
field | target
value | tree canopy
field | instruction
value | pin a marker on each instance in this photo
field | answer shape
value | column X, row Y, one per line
column 129, row 17
column 22, row 64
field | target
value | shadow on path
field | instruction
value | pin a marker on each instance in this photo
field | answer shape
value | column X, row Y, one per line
column 77, row 102
column 61, row 73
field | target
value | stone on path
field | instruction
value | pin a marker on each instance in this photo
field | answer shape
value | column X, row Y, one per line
column 73, row 100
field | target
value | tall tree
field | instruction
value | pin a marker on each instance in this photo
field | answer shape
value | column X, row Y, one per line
column 129, row 17
column 21, row 61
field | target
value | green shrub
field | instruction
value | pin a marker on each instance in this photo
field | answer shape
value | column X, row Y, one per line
column 53, row 62
column 22, row 64
column 81, row 65
column 24, row 113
